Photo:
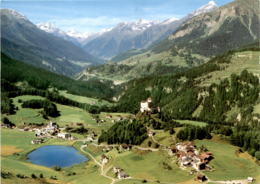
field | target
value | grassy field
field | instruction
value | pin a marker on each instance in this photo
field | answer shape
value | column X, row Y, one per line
column 83, row 99
column 190, row 122
column 227, row 164
column 68, row 115
column 141, row 165
column 26, row 115
column 248, row 60
column 149, row 166
column 164, row 138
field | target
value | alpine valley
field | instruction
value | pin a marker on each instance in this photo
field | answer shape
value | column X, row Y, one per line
column 171, row 101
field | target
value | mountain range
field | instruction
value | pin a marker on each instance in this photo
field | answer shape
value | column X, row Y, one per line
column 125, row 36
column 195, row 41
column 22, row 40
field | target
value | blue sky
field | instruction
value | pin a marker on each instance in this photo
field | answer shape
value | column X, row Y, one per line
column 95, row 15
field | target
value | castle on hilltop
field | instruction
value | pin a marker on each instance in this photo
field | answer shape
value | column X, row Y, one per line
column 147, row 106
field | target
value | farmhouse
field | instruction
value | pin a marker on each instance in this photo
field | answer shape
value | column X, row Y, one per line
column 120, row 174
column 124, row 147
column 250, row 179
column 151, row 133
column 90, row 138
column 37, row 141
column 64, row 136
column 107, row 148
column 201, row 178
column 104, row 159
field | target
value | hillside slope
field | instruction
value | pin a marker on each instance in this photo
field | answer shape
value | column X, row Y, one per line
column 228, row 27
column 184, row 95
column 13, row 71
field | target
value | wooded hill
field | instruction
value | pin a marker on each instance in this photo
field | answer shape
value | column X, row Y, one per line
column 224, row 91
column 15, row 71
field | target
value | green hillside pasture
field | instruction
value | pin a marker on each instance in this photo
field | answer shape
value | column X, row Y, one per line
column 149, row 166
column 73, row 115
column 86, row 173
column 19, row 139
column 163, row 137
column 190, row 122
column 83, row 99
column 68, row 115
column 240, row 61
column 26, row 115
column 227, row 165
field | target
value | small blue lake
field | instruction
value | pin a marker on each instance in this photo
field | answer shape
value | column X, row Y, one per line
column 62, row 156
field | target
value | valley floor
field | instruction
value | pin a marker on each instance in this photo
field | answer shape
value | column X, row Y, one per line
column 142, row 163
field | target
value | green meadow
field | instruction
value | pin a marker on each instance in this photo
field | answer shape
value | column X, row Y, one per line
column 227, row 164
column 190, row 122
column 150, row 166
column 83, row 99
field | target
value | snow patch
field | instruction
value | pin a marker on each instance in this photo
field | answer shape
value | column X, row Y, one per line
column 205, row 8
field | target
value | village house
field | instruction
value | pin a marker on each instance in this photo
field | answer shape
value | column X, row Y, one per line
column 124, row 147
column 104, row 159
column 201, row 178
column 250, row 179
column 151, row 133
column 107, row 148
column 64, row 136
column 109, row 116
column 90, row 138
column 37, row 141
column 120, row 174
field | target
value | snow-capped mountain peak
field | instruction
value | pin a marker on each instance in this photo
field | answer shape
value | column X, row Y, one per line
column 16, row 14
column 138, row 26
column 211, row 5
column 71, row 35
column 50, row 28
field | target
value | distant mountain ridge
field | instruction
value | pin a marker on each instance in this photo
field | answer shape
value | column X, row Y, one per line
column 78, row 38
column 22, row 40
column 137, row 35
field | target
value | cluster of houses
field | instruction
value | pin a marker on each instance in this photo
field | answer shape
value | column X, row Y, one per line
column 51, row 130
column 120, row 173
column 148, row 107
column 189, row 156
